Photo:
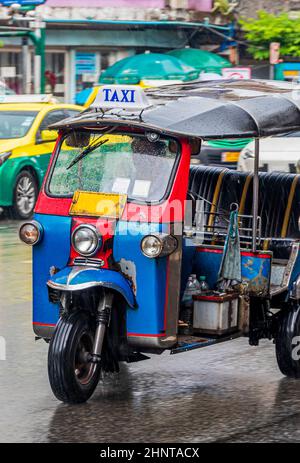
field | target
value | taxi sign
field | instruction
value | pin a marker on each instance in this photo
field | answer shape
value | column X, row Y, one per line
column 129, row 97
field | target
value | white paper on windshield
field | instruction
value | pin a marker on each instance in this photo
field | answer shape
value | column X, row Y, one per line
column 121, row 185
column 141, row 188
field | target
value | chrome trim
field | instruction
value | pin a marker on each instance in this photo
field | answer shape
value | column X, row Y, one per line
column 94, row 230
column 88, row 262
column 39, row 228
column 91, row 284
column 78, row 287
column 168, row 244
column 43, row 331
column 147, row 342
column 173, row 304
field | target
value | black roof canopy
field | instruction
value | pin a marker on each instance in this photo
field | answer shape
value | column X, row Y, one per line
column 209, row 110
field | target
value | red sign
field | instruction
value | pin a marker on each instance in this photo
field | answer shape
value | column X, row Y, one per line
column 237, row 73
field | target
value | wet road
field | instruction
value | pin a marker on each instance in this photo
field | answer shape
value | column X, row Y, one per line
column 225, row 393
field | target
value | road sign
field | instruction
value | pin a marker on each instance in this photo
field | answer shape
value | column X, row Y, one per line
column 237, row 73
column 22, row 2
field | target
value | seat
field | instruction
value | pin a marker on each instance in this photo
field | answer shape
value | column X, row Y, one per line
column 278, row 206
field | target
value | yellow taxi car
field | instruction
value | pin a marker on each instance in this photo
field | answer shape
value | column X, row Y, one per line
column 26, row 146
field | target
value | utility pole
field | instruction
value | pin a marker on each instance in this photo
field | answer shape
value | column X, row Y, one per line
column 274, row 57
column 25, row 66
column 38, row 27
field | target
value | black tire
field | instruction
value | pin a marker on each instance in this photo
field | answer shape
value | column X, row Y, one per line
column 72, row 378
column 287, row 351
column 25, row 195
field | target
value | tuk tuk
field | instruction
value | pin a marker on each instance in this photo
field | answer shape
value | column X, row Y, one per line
column 123, row 219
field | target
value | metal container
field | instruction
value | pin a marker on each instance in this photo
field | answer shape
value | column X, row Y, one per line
column 215, row 314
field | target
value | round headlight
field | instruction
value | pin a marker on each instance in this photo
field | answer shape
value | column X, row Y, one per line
column 31, row 233
column 86, row 240
column 151, row 246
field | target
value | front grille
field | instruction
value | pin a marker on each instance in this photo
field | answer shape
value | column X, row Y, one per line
column 89, row 262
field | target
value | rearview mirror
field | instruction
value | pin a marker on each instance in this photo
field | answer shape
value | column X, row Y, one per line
column 78, row 139
column 48, row 136
column 195, row 144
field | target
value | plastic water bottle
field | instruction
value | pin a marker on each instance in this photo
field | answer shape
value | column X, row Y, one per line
column 203, row 284
column 192, row 287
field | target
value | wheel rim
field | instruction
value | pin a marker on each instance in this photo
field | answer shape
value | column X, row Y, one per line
column 84, row 369
column 25, row 195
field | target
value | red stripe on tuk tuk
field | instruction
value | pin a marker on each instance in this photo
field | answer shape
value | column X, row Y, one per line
column 171, row 210
column 44, row 324
column 166, row 294
column 258, row 254
column 146, row 335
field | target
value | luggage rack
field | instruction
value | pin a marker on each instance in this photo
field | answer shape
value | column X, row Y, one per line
column 217, row 229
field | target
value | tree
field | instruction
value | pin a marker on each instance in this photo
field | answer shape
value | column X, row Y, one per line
column 269, row 28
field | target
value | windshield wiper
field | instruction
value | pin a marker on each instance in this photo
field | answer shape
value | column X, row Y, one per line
column 85, row 152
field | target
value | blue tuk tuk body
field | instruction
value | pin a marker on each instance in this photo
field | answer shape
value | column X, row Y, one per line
column 123, row 219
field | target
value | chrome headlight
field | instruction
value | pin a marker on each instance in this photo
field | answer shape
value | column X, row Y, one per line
column 4, row 157
column 86, row 240
column 31, row 233
column 158, row 245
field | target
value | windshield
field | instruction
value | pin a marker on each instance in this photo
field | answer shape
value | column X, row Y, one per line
column 15, row 124
column 111, row 163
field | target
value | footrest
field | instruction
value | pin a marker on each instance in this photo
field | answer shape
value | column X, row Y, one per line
column 186, row 343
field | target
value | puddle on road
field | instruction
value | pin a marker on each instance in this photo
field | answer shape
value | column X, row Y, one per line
column 15, row 266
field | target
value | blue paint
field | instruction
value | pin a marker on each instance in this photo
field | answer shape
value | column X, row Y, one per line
column 107, row 278
column 53, row 250
column 121, row 96
column 295, row 272
column 150, row 277
column 255, row 270
column 208, row 265
column 188, row 260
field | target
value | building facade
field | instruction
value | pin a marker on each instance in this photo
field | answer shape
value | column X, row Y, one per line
column 249, row 8
column 83, row 41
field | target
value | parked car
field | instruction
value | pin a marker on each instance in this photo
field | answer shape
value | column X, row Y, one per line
column 223, row 153
column 278, row 153
column 25, row 148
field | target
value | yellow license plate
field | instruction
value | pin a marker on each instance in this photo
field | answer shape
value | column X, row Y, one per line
column 291, row 73
column 92, row 204
column 230, row 156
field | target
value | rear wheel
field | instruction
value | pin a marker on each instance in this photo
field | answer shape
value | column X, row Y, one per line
column 25, row 195
column 288, row 343
column 73, row 378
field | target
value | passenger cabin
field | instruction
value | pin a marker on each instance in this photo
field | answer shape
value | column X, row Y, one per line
column 278, row 211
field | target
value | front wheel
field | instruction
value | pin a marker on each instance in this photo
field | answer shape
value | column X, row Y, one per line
column 73, row 378
column 288, row 343
column 25, row 195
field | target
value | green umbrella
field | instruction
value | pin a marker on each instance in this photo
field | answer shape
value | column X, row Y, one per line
column 201, row 60
column 152, row 66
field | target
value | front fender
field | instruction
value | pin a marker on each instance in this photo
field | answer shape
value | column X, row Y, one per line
column 80, row 278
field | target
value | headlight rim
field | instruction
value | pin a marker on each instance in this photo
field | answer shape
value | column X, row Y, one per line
column 94, row 230
column 152, row 235
column 168, row 244
column 39, row 229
